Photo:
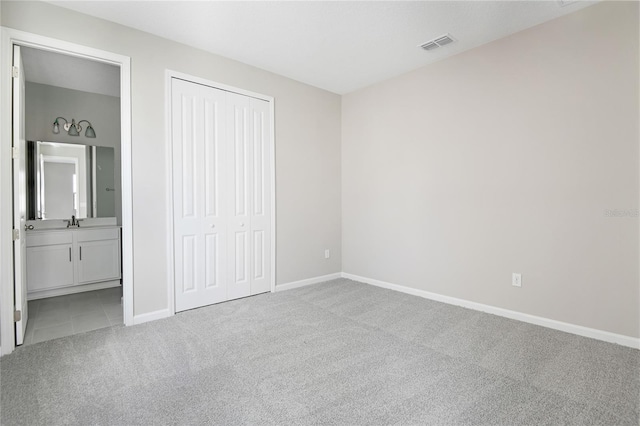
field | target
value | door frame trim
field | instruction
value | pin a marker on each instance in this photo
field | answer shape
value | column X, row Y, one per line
column 8, row 38
column 169, row 75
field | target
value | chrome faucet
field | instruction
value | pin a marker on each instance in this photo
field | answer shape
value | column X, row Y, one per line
column 73, row 222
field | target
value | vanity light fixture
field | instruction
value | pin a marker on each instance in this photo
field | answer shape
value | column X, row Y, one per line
column 72, row 128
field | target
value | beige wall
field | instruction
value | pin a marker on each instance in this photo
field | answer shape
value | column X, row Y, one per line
column 307, row 126
column 44, row 103
column 505, row 159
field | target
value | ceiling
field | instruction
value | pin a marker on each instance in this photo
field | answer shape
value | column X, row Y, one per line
column 70, row 72
column 339, row 46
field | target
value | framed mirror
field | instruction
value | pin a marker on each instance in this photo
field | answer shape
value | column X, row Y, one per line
column 65, row 180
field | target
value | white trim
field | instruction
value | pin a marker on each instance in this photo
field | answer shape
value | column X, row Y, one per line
column 43, row 294
column 593, row 333
column 272, row 159
column 151, row 316
column 169, row 74
column 169, row 185
column 7, row 329
column 308, row 281
column 126, row 166
column 9, row 37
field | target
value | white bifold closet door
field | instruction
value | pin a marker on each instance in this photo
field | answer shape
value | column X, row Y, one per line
column 221, row 195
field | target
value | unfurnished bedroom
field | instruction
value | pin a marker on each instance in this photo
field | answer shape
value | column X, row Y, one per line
column 320, row 212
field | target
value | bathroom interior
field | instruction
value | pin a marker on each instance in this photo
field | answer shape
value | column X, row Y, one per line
column 73, row 195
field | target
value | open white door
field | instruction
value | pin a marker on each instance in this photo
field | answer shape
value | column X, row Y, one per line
column 19, row 199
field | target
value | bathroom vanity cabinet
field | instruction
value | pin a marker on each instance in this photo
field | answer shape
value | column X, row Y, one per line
column 73, row 260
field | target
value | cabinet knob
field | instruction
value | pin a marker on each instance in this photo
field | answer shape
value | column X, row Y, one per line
column 213, row 226
column 241, row 225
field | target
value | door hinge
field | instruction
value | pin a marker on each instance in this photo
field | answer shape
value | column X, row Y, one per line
column 15, row 152
column 15, row 72
column 16, row 234
column 17, row 316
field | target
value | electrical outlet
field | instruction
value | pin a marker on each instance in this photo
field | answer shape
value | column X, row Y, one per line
column 516, row 280
column 327, row 254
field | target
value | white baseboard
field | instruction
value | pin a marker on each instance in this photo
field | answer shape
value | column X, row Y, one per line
column 72, row 290
column 151, row 316
column 308, row 281
column 164, row 313
column 593, row 333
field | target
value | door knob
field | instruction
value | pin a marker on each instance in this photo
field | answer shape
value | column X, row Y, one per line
column 213, row 226
column 241, row 225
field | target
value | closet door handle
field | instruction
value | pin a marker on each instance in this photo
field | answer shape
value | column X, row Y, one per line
column 80, row 252
column 69, row 254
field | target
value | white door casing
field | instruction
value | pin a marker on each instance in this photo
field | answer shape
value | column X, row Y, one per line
column 20, row 201
column 8, row 38
column 224, row 181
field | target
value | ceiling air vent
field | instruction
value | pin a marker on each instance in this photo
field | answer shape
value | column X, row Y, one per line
column 429, row 46
column 443, row 40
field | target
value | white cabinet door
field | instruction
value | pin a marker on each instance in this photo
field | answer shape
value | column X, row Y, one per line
column 98, row 261
column 49, row 266
column 199, row 195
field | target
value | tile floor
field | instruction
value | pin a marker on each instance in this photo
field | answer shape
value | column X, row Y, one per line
column 61, row 316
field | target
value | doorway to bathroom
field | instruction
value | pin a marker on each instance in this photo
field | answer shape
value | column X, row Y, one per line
column 71, row 258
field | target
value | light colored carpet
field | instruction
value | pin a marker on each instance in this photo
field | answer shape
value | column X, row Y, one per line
column 339, row 352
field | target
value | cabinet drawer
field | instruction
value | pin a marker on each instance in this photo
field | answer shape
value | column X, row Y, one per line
column 97, row 234
column 49, row 238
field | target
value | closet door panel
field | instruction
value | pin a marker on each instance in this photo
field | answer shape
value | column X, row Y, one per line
column 239, row 143
column 185, row 145
column 261, row 197
column 198, row 134
column 214, row 224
